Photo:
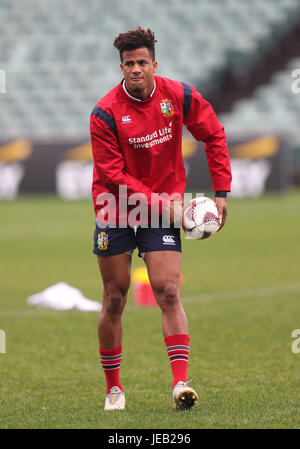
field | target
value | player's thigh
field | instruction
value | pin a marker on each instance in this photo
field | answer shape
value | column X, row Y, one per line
column 161, row 249
column 164, row 268
column 113, row 247
column 115, row 273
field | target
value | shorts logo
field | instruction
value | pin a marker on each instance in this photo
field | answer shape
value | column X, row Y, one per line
column 102, row 241
column 169, row 240
column 167, row 108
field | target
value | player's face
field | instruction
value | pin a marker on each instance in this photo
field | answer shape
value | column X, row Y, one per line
column 138, row 69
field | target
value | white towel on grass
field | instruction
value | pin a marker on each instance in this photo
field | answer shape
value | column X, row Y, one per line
column 62, row 296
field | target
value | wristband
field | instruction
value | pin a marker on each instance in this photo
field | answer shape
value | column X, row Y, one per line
column 221, row 193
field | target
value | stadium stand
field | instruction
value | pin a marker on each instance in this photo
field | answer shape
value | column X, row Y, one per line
column 274, row 107
column 59, row 60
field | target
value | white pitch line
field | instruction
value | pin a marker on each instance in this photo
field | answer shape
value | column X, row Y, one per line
column 246, row 293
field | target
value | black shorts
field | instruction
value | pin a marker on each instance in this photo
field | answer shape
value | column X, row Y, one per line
column 112, row 241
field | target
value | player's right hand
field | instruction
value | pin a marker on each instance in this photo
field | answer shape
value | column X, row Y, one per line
column 175, row 211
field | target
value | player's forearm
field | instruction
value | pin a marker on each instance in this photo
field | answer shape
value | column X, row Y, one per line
column 130, row 189
column 218, row 161
column 113, row 180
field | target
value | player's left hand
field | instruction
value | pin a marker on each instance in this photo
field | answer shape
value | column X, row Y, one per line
column 221, row 204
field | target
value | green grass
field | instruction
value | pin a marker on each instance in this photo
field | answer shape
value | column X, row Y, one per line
column 241, row 294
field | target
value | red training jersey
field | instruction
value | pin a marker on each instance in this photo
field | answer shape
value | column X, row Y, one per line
column 137, row 143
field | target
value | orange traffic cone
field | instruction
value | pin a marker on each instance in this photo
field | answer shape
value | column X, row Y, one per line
column 142, row 291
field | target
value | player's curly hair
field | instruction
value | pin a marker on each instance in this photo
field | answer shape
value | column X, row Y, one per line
column 133, row 39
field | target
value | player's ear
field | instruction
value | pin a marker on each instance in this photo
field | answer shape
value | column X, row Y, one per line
column 155, row 64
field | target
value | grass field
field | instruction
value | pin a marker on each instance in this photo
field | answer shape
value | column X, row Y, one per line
column 241, row 294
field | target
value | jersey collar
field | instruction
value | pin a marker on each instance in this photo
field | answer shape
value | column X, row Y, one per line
column 137, row 99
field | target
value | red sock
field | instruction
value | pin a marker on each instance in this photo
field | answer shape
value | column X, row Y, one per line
column 178, row 352
column 110, row 361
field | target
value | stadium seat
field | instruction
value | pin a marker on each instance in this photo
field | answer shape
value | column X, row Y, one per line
column 60, row 60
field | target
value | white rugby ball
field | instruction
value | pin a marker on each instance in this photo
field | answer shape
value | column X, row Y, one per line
column 200, row 218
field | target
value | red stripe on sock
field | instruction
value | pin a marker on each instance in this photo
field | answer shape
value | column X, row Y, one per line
column 179, row 365
column 112, row 375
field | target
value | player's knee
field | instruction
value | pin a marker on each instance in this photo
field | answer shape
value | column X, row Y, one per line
column 167, row 294
column 115, row 302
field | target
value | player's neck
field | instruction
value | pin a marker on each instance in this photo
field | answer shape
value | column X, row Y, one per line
column 143, row 95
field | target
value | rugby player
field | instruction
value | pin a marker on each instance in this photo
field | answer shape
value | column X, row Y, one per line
column 136, row 133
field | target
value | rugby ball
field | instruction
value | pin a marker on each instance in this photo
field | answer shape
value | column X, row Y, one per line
column 200, row 218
